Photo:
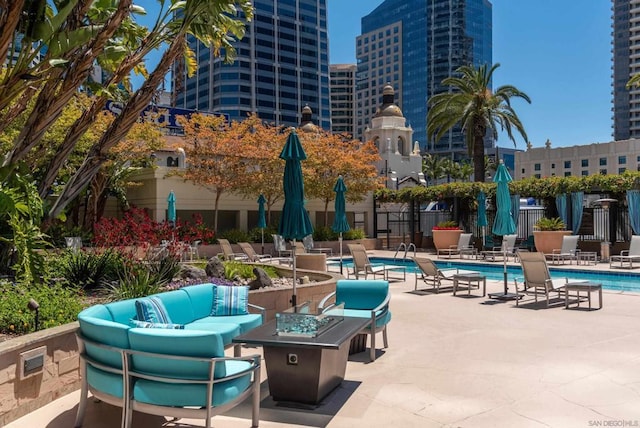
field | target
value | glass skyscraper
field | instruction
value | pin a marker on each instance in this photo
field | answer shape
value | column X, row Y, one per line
column 282, row 64
column 414, row 45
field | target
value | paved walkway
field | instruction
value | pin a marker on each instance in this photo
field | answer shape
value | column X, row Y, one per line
column 458, row 362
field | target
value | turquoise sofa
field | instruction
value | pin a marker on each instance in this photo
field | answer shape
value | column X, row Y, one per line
column 167, row 371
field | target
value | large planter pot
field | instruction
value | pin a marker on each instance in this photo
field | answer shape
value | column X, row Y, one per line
column 548, row 240
column 445, row 238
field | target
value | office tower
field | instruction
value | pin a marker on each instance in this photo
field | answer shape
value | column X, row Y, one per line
column 343, row 92
column 282, row 64
column 626, row 63
column 413, row 45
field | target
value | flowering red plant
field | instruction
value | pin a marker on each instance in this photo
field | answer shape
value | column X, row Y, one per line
column 446, row 225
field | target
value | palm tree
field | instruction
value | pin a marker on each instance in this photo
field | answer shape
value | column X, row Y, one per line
column 472, row 104
column 432, row 167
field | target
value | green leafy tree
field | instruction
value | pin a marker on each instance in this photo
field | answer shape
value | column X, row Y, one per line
column 472, row 104
column 433, row 167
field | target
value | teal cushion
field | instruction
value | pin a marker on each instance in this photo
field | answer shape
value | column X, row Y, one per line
column 226, row 331
column 230, row 300
column 164, row 394
column 361, row 294
column 178, row 306
column 145, row 324
column 151, row 309
column 201, row 297
column 246, row 322
column 108, row 383
column 104, row 332
column 122, row 311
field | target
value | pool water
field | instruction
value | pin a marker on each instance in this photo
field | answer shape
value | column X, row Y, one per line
column 619, row 281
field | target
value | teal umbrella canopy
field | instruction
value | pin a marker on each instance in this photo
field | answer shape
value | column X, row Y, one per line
column 171, row 207
column 294, row 222
column 262, row 220
column 482, row 209
column 503, row 224
column 340, row 223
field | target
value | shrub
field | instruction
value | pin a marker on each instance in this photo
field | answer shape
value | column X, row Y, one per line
column 234, row 269
column 324, row 233
column 447, row 225
column 545, row 223
column 352, row 234
column 135, row 281
column 235, row 235
column 256, row 234
column 58, row 305
column 87, row 270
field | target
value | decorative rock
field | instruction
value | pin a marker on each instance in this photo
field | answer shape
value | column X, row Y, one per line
column 192, row 272
column 215, row 268
column 262, row 279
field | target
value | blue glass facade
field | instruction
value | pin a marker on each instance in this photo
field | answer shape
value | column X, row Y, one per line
column 282, row 64
column 438, row 36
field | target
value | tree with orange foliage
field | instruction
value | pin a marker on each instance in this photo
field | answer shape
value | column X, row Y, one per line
column 263, row 176
column 218, row 153
column 330, row 155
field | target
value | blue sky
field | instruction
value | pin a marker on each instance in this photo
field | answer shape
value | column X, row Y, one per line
column 556, row 51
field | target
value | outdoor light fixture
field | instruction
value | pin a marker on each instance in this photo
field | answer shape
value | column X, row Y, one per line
column 34, row 306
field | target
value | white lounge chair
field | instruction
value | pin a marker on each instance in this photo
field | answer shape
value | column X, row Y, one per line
column 627, row 257
column 569, row 250
column 507, row 248
column 430, row 273
column 464, row 244
column 362, row 265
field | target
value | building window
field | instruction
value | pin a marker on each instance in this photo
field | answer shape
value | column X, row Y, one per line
column 567, row 173
column 567, row 164
column 585, row 162
column 638, row 169
column 603, row 161
column 536, row 167
column 553, row 165
column 603, row 171
column 622, row 160
column 638, row 159
column 621, row 170
column 585, row 173
column 537, row 176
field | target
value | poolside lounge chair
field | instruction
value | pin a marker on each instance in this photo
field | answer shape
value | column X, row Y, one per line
column 627, row 257
column 568, row 251
column 464, row 244
column 431, row 273
column 227, row 251
column 362, row 265
column 310, row 247
column 280, row 245
column 262, row 258
column 537, row 279
column 507, row 248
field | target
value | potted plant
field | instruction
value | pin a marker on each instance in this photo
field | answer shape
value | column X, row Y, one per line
column 446, row 234
column 548, row 233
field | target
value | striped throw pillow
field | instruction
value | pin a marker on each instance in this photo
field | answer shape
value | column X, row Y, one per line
column 145, row 324
column 230, row 300
column 151, row 309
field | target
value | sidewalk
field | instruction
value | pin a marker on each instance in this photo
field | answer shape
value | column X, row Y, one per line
column 457, row 362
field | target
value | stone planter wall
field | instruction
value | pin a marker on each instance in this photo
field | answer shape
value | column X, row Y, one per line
column 61, row 375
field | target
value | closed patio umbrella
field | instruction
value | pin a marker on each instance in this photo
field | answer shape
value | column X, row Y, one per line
column 482, row 214
column 171, row 208
column 340, row 223
column 294, row 222
column 503, row 224
column 262, row 221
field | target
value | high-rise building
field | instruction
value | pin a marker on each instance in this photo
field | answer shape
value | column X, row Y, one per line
column 413, row 45
column 343, row 95
column 626, row 63
column 282, row 64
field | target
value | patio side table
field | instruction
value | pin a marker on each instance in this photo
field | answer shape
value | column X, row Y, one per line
column 587, row 286
column 587, row 257
column 472, row 280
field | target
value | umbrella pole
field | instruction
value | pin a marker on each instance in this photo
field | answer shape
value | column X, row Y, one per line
column 340, row 240
column 504, row 263
column 262, row 232
column 294, row 298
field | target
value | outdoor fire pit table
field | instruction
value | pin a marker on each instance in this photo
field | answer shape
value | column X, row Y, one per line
column 305, row 369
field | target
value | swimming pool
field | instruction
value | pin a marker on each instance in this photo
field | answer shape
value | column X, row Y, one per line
column 619, row 281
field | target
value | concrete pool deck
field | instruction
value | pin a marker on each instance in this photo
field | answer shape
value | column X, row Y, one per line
column 457, row 362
